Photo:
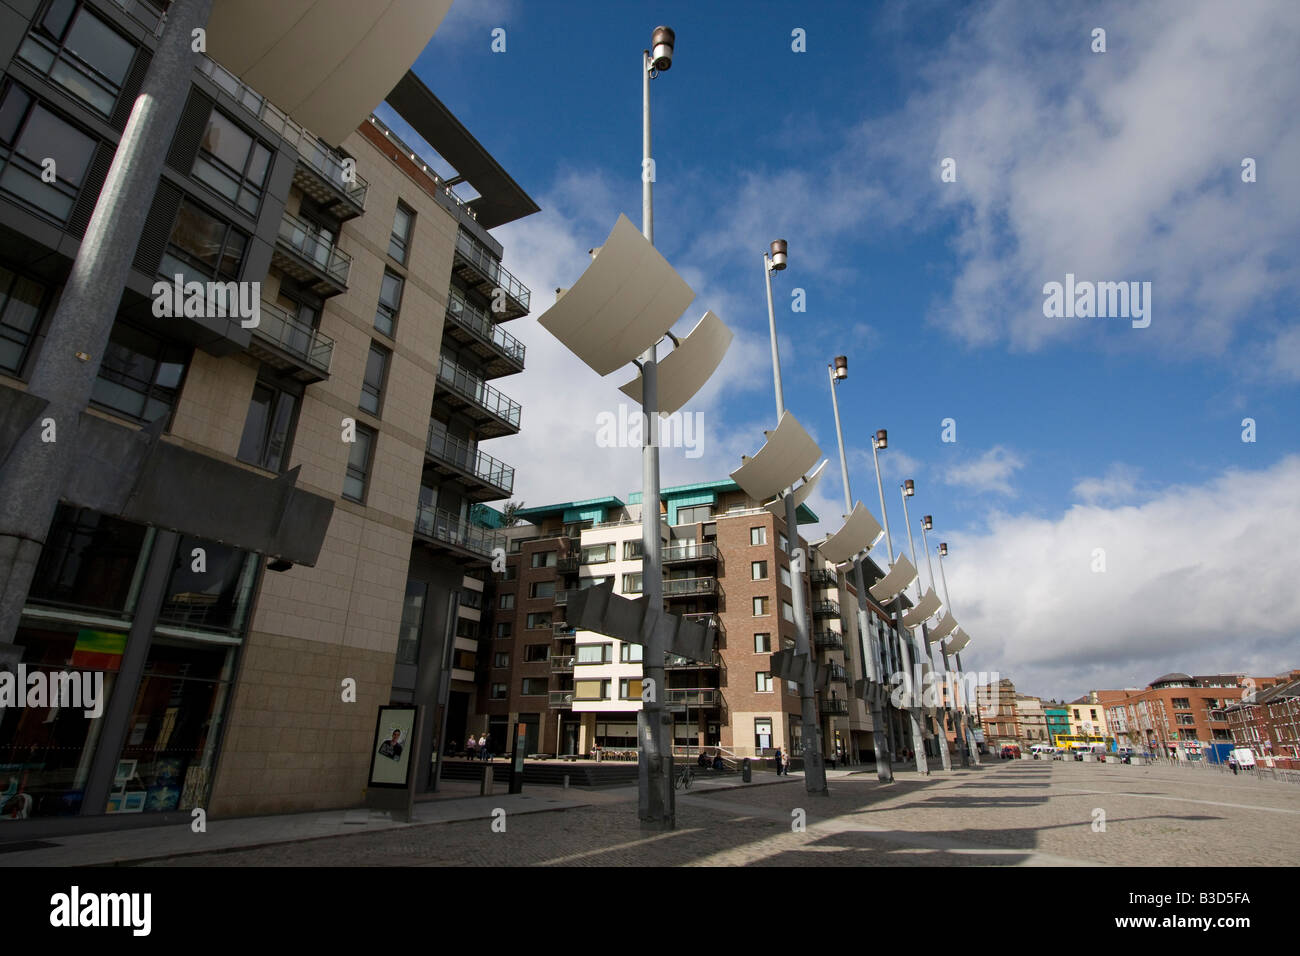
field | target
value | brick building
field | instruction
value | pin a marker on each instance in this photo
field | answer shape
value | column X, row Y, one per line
column 1176, row 715
column 1269, row 724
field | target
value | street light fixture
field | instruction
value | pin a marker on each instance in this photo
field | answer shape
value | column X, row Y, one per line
column 943, row 578
column 662, row 40
column 925, row 607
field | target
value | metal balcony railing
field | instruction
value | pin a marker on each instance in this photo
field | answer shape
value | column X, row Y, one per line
column 289, row 335
column 306, row 240
column 561, row 598
column 825, row 607
column 684, row 587
column 821, row 578
column 562, row 665
column 438, row 182
column 834, row 706
column 692, row 696
column 567, row 564
column 706, row 619
column 473, row 389
column 310, row 149
column 689, row 552
column 456, row 451
column 561, row 700
column 473, row 319
column 677, row 660
column 482, row 258
column 828, row 639
column 448, row 528
column 839, row 674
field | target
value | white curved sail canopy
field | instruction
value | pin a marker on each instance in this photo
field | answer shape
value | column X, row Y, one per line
column 959, row 640
column 684, row 370
column 942, row 629
column 777, row 505
column 899, row 577
column 788, row 453
column 860, row 533
column 924, row 610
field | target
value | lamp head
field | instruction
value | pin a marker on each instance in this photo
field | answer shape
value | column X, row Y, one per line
column 882, row 438
column 661, row 41
column 841, row 367
column 943, row 549
column 909, row 488
column 779, row 258
column 927, row 522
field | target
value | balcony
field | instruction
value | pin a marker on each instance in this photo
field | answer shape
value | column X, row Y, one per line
column 690, row 587
column 828, row 639
column 821, row 578
column 561, row 700
column 286, row 344
column 839, row 674
column 493, row 413
column 678, row 662
column 319, row 171
column 834, row 706
column 560, row 629
column 310, row 256
column 482, row 271
column 706, row 619
column 683, row 697
column 689, row 553
column 447, row 532
column 562, row 665
column 567, row 564
column 825, row 609
column 501, row 352
column 484, row 478
column 561, row 598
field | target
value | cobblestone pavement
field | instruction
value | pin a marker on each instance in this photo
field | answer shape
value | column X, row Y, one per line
column 1015, row 813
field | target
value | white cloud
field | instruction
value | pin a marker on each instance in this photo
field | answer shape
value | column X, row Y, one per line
column 1199, row 579
column 991, row 471
column 1118, row 485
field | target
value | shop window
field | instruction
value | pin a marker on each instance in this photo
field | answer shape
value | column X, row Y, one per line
column 80, row 53
column 30, row 134
column 89, row 561
column 211, row 590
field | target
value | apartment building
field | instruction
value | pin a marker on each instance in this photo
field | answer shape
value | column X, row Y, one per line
column 1032, row 719
column 997, row 707
column 382, row 321
column 1176, row 715
column 1269, row 724
column 724, row 561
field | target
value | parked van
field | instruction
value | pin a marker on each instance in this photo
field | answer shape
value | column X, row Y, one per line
column 1042, row 751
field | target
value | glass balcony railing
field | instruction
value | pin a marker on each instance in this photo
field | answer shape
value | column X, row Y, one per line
column 470, row 317
column 448, row 528
column 682, row 587
column 692, row 696
column 562, row 665
column 561, row 700
column 306, row 240
column 456, row 451
column 482, row 258
column 692, row 551
column 287, row 333
column 310, row 149
column 474, row 389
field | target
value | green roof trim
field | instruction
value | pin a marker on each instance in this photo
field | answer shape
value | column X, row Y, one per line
column 586, row 505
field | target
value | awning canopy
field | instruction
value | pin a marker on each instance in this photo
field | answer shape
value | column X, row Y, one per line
column 327, row 63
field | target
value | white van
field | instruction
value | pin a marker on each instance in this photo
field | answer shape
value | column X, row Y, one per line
column 1245, row 757
column 1042, row 751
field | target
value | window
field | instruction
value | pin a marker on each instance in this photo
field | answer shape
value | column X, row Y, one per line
column 511, row 573
column 544, row 559
column 760, row 607
column 590, row 689
column 762, row 643
column 757, row 536
column 534, row 686
column 633, row 550
column 787, row 611
column 372, row 387
column 501, row 659
column 1180, row 703
column 540, row 619
column 785, row 576
column 30, row 134
column 1076, row 713
column 90, row 560
column 390, row 300
column 598, row 554
column 408, row 641
column 584, row 583
column 632, row 583
column 79, row 52
column 232, row 163
column 629, row 688
column 784, row 544
column 542, row 589
column 354, row 484
column 694, row 515
column 763, row 682
column 400, row 240
column 758, row 570
column 594, row 653
column 762, row 733
column 267, row 428
column 202, row 247
column 472, row 599
column 506, row 602
column 630, row 654
column 505, row 628
column 498, row 692
column 534, row 653
column 1093, row 713
column 140, row 376
column 20, row 308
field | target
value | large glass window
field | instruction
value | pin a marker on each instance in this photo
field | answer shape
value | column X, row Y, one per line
column 202, row 247
column 372, row 386
column 29, row 135
column 542, row 589
column 20, row 309
column 390, row 300
column 594, row 653
column 267, row 428
column 408, row 641
column 400, row 241
column 232, row 162
column 354, row 482
column 210, row 590
column 140, row 376
column 630, row 653
column 90, row 560
column 80, row 52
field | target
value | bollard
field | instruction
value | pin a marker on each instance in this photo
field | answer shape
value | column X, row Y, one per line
column 486, row 789
column 566, row 781
column 746, row 773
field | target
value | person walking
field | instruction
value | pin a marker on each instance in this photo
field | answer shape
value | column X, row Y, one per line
column 1232, row 763
column 779, row 759
column 471, row 748
column 483, row 746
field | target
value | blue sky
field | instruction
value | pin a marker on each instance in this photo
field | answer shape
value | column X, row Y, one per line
column 1072, row 434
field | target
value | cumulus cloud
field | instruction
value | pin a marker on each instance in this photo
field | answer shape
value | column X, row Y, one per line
column 1118, row 484
column 1199, row 579
column 991, row 471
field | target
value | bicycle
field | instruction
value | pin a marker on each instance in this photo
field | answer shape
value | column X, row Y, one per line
column 685, row 777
